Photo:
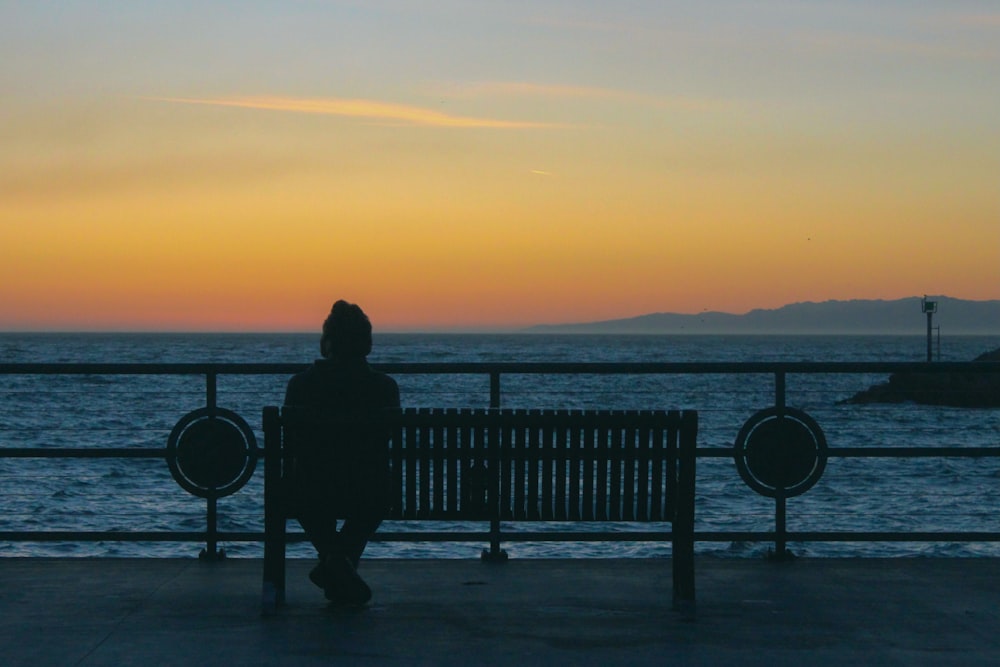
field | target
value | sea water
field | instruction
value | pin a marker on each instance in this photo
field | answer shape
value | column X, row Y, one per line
column 867, row 494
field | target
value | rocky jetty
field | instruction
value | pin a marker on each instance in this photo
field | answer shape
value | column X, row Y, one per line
column 964, row 390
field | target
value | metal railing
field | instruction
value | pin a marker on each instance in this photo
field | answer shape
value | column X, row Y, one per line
column 179, row 446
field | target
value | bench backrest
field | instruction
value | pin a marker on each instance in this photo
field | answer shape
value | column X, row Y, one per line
column 520, row 465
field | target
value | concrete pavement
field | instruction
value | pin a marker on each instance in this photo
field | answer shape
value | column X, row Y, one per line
column 525, row 612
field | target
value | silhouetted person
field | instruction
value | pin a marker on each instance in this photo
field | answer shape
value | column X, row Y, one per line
column 343, row 383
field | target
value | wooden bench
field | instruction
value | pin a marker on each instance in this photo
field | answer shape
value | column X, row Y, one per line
column 506, row 466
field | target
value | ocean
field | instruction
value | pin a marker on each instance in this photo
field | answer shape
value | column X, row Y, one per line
column 862, row 494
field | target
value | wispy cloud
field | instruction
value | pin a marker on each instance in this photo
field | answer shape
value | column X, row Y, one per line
column 359, row 108
column 965, row 36
column 526, row 89
column 939, row 48
column 975, row 21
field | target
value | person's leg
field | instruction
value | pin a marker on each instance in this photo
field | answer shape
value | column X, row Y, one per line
column 337, row 573
column 355, row 534
column 320, row 528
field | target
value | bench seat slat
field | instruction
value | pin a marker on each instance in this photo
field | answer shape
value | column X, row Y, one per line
column 561, row 473
column 601, row 483
column 548, row 453
column 437, row 465
column 644, row 447
column 506, row 474
column 628, row 474
column 574, row 462
column 452, row 464
column 532, row 506
column 588, row 462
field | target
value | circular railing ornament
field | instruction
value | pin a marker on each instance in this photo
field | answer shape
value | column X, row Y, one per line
column 780, row 452
column 211, row 452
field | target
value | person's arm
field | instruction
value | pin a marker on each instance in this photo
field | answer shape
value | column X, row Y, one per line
column 293, row 392
column 393, row 394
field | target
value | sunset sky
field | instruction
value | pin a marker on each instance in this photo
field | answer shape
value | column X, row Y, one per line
column 459, row 164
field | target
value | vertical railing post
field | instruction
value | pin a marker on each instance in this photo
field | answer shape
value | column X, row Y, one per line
column 211, row 551
column 780, row 529
column 779, row 389
column 494, row 389
column 211, row 389
column 780, row 515
column 494, row 554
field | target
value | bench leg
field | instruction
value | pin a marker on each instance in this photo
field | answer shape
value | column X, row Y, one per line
column 683, row 570
column 683, row 528
column 273, row 585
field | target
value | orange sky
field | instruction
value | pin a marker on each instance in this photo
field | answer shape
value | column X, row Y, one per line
column 603, row 171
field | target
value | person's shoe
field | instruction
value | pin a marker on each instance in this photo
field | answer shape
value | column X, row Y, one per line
column 340, row 582
column 321, row 576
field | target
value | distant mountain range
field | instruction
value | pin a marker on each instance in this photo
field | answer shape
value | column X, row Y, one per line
column 902, row 316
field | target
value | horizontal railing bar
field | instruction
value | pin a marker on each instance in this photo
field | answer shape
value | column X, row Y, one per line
column 188, row 536
column 82, row 453
column 714, row 452
column 647, row 536
column 581, row 536
column 515, row 536
column 842, row 536
column 466, row 368
column 519, row 454
column 666, row 536
column 893, row 537
column 148, row 369
column 913, row 452
column 877, row 452
column 103, row 536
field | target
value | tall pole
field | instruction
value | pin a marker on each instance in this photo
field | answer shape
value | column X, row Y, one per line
column 930, row 350
column 928, row 307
